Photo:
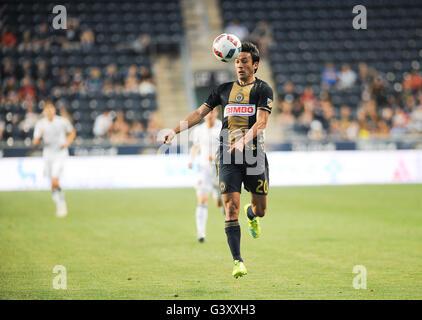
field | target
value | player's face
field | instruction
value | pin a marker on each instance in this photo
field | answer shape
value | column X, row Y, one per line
column 49, row 111
column 244, row 67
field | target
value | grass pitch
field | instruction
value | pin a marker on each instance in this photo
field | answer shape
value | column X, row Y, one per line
column 141, row 244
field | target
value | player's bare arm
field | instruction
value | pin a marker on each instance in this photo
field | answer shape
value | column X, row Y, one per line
column 192, row 119
column 69, row 139
column 36, row 141
column 258, row 127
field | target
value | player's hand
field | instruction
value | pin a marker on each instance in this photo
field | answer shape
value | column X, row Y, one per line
column 211, row 158
column 190, row 165
column 239, row 145
column 168, row 137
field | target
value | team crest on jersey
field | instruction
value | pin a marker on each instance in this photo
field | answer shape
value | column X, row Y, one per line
column 239, row 110
column 239, row 97
column 222, row 186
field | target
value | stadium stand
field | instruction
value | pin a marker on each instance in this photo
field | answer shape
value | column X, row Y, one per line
column 343, row 83
column 102, row 61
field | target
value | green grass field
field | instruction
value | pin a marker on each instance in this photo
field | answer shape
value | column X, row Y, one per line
column 141, row 244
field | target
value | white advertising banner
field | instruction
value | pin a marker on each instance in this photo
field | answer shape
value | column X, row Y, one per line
column 158, row 171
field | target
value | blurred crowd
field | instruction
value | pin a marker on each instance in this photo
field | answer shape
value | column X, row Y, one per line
column 25, row 83
column 382, row 110
column 379, row 113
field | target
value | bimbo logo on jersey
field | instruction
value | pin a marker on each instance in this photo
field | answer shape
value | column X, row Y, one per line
column 239, row 110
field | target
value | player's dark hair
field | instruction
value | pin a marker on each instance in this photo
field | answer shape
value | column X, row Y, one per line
column 252, row 49
column 48, row 101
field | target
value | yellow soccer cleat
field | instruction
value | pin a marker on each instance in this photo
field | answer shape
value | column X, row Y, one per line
column 239, row 269
column 254, row 226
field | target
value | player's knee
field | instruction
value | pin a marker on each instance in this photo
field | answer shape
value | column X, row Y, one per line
column 55, row 183
column 232, row 208
column 259, row 211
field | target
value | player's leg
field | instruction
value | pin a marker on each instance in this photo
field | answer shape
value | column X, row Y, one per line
column 203, row 189
column 201, row 215
column 233, row 232
column 218, row 200
column 258, row 186
column 58, row 193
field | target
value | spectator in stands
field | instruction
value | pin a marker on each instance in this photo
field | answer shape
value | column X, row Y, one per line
column 145, row 74
column 386, row 114
column 346, row 78
column 42, row 71
column 304, row 121
column 412, row 82
column 2, row 126
column 382, row 130
column 8, row 70
column 120, row 129
column 73, row 33
column 378, row 90
column 43, row 39
column 308, row 95
column 42, row 90
column 27, row 90
column 10, row 84
column 131, row 81
column 286, row 117
column 141, row 45
column 238, row 29
column 147, row 87
column 137, row 130
column 78, row 81
column 103, row 124
column 415, row 121
column 30, row 119
column 94, row 83
column 400, row 121
column 112, row 75
column 363, row 73
column 316, row 130
column 8, row 39
column 61, row 82
column 329, row 76
column 289, row 95
column 26, row 69
column 262, row 35
column 154, row 126
column 87, row 40
column 409, row 104
column 26, row 43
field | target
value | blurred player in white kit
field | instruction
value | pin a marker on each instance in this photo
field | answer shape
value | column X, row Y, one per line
column 205, row 139
column 57, row 134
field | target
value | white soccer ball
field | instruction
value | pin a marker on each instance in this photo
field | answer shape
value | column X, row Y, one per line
column 226, row 47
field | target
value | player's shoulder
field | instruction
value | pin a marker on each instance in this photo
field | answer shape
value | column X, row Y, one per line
column 262, row 85
column 42, row 121
column 61, row 119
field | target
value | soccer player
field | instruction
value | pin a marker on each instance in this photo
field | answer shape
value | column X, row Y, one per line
column 246, row 105
column 57, row 134
column 205, row 142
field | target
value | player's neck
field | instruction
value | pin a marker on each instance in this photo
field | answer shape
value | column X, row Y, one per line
column 244, row 82
column 210, row 124
column 50, row 118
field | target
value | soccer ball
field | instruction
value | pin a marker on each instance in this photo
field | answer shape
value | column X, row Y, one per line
column 226, row 47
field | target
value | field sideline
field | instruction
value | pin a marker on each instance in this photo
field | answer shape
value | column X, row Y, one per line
column 141, row 244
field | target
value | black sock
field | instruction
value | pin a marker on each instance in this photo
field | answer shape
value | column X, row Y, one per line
column 250, row 213
column 233, row 238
